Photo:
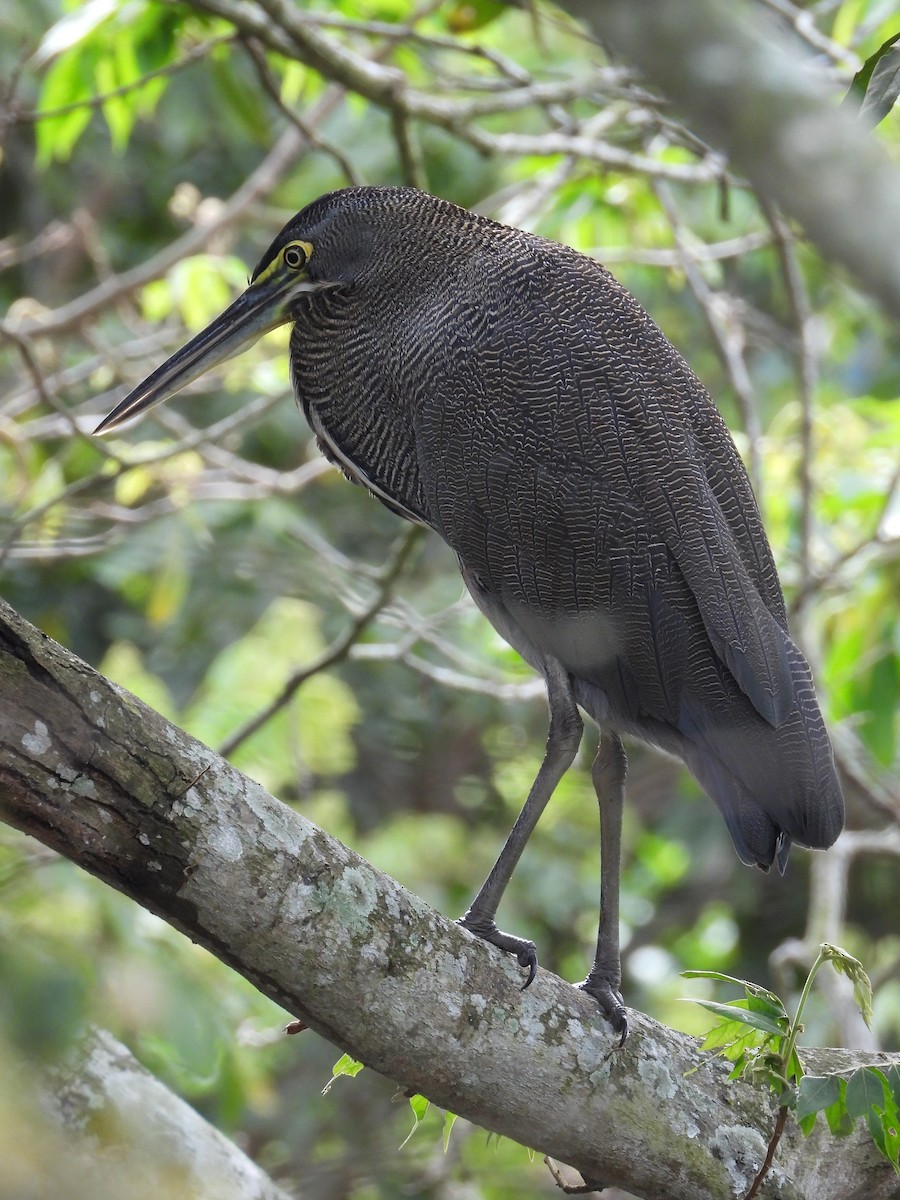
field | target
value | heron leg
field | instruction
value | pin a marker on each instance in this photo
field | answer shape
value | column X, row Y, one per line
column 563, row 740
column 605, row 978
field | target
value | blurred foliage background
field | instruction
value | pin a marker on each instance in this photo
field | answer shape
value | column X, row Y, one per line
column 150, row 151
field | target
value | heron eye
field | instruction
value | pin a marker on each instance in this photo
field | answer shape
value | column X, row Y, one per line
column 295, row 256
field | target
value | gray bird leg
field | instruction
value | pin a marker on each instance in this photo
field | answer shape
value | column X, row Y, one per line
column 563, row 740
column 605, row 978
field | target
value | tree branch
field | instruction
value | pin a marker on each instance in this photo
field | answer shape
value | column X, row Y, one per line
column 97, row 775
column 280, row 27
column 108, row 1129
column 747, row 89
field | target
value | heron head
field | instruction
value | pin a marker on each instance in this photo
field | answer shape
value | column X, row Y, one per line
column 356, row 238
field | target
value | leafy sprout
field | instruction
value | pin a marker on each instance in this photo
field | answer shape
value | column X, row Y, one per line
column 757, row 1035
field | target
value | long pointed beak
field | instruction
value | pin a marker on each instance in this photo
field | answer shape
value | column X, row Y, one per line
column 263, row 306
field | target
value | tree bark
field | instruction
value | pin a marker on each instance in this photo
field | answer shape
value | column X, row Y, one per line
column 96, row 774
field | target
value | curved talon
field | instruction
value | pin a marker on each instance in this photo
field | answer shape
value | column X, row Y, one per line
column 527, row 957
column 610, row 1002
column 524, row 950
column 618, row 1018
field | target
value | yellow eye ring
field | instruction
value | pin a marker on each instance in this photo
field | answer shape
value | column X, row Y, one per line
column 295, row 256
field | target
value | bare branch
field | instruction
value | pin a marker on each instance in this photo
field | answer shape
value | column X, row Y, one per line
column 281, row 27
column 304, row 127
column 339, row 649
column 273, row 167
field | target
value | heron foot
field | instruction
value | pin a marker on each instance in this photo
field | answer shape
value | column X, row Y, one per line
column 611, row 1004
column 525, row 951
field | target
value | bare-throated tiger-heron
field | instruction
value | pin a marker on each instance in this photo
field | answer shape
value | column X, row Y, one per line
column 506, row 392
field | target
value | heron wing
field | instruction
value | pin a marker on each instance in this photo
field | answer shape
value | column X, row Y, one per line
column 599, row 393
column 683, row 509
column 603, row 518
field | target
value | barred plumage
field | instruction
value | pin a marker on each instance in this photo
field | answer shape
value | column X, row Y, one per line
column 530, row 412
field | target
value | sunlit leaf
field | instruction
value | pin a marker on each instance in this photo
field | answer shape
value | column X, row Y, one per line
column 449, row 1122
column 840, row 1123
column 883, row 1120
column 345, row 1066
column 68, row 81
column 731, row 1033
column 73, row 28
column 119, row 111
column 717, row 975
column 807, row 1123
column 752, row 989
column 419, row 1106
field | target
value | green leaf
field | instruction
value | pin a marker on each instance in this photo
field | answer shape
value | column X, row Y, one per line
column 839, row 1120
column 102, row 46
column 840, row 1123
column 74, row 28
column 741, row 1064
column 815, row 1093
column 473, row 15
column 770, row 1006
column 884, row 1126
column 876, row 85
column 732, row 1012
column 345, row 1065
column 68, row 81
column 419, row 1106
column 449, row 1122
column 807, row 1124
column 846, row 964
column 119, row 68
column 866, row 1087
column 119, row 111
column 730, row 1033
column 752, row 989
column 794, row 1071
column 716, row 975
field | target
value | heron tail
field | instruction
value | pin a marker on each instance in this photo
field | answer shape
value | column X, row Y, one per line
column 774, row 786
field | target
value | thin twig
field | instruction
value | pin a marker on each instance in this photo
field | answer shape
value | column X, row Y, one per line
column 770, row 1153
column 409, row 150
column 807, row 375
column 32, row 116
column 56, row 236
column 306, row 128
column 727, row 332
column 803, row 22
column 571, row 1189
column 339, row 648
column 266, row 176
column 279, row 26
